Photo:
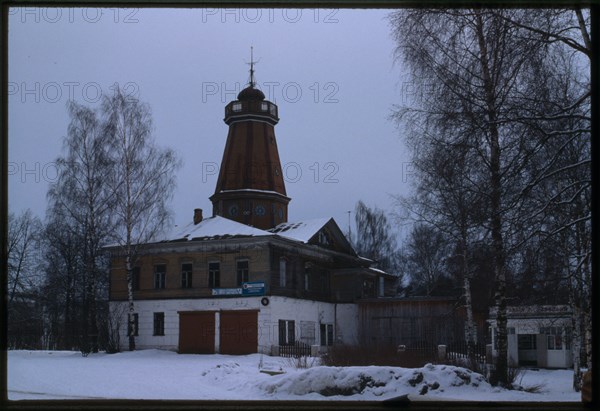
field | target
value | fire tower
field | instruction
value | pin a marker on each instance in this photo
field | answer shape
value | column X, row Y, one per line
column 250, row 188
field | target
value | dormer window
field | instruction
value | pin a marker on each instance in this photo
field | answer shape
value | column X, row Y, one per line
column 237, row 107
column 324, row 238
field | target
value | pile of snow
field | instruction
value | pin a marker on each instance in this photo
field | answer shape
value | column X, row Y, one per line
column 375, row 382
column 156, row 374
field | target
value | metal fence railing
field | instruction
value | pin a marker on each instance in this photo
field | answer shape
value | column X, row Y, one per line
column 296, row 350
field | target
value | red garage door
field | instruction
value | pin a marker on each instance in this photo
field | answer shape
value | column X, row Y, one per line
column 239, row 332
column 196, row 332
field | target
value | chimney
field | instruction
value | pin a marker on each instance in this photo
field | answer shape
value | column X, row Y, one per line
column 197, row 215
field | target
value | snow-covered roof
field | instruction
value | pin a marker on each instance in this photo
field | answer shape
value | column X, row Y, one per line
column 214, row 227
column 533, row 311
column 300, row 231
column 378, row 271
column 217, row 227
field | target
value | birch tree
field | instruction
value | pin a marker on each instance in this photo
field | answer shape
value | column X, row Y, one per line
column 142, row 182
column 81, row 198
column 446, row 198
column 561, row 180
column 481, row 68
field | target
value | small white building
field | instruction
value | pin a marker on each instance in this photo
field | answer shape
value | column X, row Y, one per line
column 538, row 336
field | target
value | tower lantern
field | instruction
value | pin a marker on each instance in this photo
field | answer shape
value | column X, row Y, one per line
column 250, row 188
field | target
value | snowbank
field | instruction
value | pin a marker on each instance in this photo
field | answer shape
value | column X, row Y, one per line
column 156, row 374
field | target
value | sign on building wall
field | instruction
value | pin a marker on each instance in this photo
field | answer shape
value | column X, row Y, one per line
column 253, row 288
column 249, row 289
column 226, row 291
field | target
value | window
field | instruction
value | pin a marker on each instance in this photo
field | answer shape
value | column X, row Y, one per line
column 133, row 330
column 324, row 281
column 326, row 334
column 160, row 274
column 368, row 288
column 260, row 210
column 287, row 332
column 135, row 279
column 324, row 238
column 186, row 275
column 237, row 106
column 527, row 341
column 554, row 337
column 381, row 286
column 242, row 272
column 264, row 106
column 214, row 274
column 307, row 332
column 282, row 271
column 307, row 268
column 159, row 323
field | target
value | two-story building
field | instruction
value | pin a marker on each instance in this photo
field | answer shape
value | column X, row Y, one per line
column 245, row 279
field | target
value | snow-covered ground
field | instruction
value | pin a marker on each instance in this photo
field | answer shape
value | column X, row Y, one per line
column 156, row 374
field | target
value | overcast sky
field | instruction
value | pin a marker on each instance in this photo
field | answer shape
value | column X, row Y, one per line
column 331, row 72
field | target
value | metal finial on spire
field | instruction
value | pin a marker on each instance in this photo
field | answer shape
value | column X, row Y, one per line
column 252, row 63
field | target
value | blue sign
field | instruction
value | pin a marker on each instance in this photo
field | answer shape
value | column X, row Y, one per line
column 253, row 288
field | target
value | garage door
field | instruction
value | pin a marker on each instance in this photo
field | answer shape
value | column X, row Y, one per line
column 197, row 332
column 239, row 332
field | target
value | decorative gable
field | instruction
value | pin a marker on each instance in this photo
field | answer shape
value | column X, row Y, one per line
column 322, row 232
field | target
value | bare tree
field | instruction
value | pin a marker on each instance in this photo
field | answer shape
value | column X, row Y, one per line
column 23, row 238
column 446, row 197
column 561, row 180
column 426, row 255
column 23, row 280
column 375, row 240
column 486, row 72
column 62, row 290
column 142, row 182
column 81, row 197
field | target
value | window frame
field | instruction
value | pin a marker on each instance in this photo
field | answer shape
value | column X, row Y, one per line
column 160, row 277
column 526, row 342
column 214, row 275
column 307, row 274
column 283, row 272
column 287, row 332
column 242, row 274
column 326, row 334
column 135, row 278
column 158, row 324
column 186, row 275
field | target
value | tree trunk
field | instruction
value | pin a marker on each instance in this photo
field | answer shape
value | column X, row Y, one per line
column 501, row 372
column 470, row 333
column 576, row 347
column 130, row 319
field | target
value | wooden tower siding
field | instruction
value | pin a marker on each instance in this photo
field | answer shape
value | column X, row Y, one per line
column 250, row 188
